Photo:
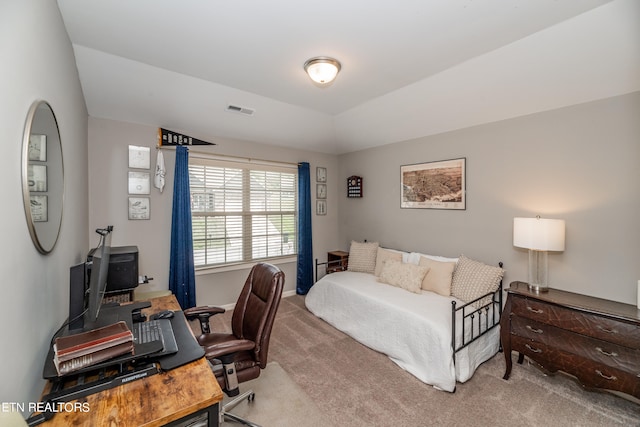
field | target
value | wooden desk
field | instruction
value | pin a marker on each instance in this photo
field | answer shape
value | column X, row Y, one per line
column 158, row 400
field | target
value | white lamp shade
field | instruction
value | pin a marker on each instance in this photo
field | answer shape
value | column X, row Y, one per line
column 322, row 70
column 539, row 234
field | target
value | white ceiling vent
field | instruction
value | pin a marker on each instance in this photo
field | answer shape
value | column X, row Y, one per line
column 240, row 110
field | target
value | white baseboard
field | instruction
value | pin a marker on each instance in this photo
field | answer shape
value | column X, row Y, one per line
column 288, row 293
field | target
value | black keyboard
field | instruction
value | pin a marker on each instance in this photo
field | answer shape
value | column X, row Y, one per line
column 144, row 332
column 156, row 330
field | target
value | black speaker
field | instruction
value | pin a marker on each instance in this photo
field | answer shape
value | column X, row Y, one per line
column 77, row 289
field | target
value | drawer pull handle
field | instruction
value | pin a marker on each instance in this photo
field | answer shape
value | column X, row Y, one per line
column 533, row 310
column 534, row 330
column 611, row 378
column 606, row 353
column 535, row 350
column 609, row 331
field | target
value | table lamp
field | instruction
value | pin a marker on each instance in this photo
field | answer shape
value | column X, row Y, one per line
column 539, row 236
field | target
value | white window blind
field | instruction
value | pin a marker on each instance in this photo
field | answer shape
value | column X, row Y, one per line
column 242, row 211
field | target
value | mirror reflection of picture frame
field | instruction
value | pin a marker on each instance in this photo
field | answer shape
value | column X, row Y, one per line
column 321, row 191
column 38, row 148
column 139, row 183
column 37, row 177
column 39, row 208
column 321, row 207
column 139, row 208
column 139, row 157
column 321, row 174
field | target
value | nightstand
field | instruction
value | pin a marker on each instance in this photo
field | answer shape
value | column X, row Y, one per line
column 337, row 261
column 596, row 341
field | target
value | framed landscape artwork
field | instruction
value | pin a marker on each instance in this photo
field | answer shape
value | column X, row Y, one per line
column 434, row 185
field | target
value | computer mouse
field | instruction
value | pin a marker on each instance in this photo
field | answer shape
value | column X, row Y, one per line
column 167, row 314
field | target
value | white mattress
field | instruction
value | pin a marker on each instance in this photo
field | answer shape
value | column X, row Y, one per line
column 414, row 330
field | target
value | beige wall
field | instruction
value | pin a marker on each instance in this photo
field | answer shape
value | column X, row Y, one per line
column 578, row 163
column 37, row 63
column 108, row 147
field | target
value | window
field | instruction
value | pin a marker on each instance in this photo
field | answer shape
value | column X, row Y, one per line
column 242, row 212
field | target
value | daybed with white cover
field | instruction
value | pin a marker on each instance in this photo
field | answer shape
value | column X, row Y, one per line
column 437, row 318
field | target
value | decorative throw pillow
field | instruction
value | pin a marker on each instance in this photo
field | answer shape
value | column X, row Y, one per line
column 439, row 278
column 362, row 257
column 414, row 258
column 472, row 279
column 405, row 276
column 383, row 255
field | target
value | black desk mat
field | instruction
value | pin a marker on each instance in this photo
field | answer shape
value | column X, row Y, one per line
column 188, row 348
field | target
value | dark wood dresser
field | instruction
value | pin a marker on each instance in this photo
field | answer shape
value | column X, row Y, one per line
column 595, row 340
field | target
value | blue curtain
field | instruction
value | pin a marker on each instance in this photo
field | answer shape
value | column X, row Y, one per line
column 305, row 246
column 182, row 280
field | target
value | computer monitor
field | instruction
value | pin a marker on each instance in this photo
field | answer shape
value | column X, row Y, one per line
column 78, row 288
column 99, row 273
column 87, row 284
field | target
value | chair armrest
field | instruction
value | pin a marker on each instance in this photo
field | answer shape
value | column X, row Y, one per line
column 229, row 347
column 192, row 312
column 203, row 313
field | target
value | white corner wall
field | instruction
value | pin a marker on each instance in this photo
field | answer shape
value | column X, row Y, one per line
column 37, row 63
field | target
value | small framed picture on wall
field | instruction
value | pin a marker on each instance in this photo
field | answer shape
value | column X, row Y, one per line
column 321, row 174
column 139, row 182
column 321, row 207
column 321, row 191
column 139, row 208
column 139, row 157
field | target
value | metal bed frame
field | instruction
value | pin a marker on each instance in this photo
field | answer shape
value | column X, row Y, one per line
column 328, row 264
column 490, row 312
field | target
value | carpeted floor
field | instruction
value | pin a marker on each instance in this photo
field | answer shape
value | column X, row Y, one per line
column 352, row 385
column 279, row 402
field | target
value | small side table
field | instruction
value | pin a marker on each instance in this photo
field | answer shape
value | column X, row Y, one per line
column 337, row 261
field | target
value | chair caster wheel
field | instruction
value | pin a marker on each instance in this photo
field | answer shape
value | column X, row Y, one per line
column 251, row 397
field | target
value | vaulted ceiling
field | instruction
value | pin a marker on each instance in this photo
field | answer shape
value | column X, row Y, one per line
column 410, row 68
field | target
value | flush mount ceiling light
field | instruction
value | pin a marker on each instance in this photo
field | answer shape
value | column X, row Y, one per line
column 322, row 69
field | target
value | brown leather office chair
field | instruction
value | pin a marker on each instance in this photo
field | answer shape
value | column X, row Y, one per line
column 241, row 355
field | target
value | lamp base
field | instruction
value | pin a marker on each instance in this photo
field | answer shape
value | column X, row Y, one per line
column 537, row 288
column 538, row 271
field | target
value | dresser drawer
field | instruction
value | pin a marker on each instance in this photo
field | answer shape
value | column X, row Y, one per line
column 592, row 374
column 592, row 325
column 530, row 329
column 545, row 356
column 605, row 353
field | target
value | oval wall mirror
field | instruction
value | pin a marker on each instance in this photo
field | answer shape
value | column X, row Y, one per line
column 42, row 176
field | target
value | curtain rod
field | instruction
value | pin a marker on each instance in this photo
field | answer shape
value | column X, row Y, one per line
column 203, row 154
